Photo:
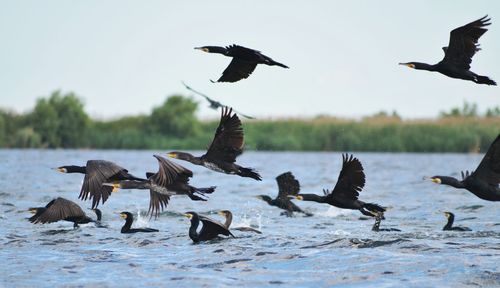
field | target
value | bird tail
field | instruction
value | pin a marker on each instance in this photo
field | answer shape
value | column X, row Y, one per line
column 274, row 63
column 372, row 209
column 248, row 172
column 485, row 80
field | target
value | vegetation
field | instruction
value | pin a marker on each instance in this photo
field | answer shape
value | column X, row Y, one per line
column 59, row 121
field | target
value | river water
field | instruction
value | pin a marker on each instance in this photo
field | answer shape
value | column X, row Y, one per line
column 334, row 247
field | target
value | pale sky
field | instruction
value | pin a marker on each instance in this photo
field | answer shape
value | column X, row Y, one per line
column 124, row 57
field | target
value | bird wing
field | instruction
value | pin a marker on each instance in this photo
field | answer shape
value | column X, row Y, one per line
column 463, row 43
column 59, row 209
column 170, row 172
column 212, row 228
column 238, row 69
column 351, row 179
column 228, row 140
column 157, row 202
column 98, row 172
column 287, row 185
column 489, row 168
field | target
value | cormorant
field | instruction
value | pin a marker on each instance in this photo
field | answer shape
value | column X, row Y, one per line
column 244, row 61
column 60, row 209
column 288, row 186
column 345, row 193
column 226, row 146
column 210, row 229
column 376, row 225
column 449, row 225
column 129, row 218
column 96, row 173
column 171, row 179
column 484, row 182
column 214, row 104
column 229, row 219
column 458, row 55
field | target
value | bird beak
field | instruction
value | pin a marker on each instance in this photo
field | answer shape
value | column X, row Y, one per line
column 436, row 180
column 189, row 216
column 201, row 48
column 172, row 155
column 62, row 170
column 123, row 215
column 408, row 65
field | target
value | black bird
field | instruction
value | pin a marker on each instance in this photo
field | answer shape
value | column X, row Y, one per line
column 96, row 173
column 484, row 181
column 449, row 225
column 376, row 225
column 129, row 218
column 458, row 55
column 288, row 186
column 244, row 61
column 214, row 104
column 229, row 219
column 345, row 193
column 171, row 179
column 227, row 145
column 61, row 209
column 210, row 229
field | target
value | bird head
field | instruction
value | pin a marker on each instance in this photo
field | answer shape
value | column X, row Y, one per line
column 223, row 213
column 203, row 48
column 409, row 64
column 124, row 215
column 116, row 186
column 298, row 197
column 436, row 179
column 189, row 215
column 62, row 169
column 33, row 210
column 447, row 214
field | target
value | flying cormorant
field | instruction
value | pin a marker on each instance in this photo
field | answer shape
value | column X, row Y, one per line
column 61, row 209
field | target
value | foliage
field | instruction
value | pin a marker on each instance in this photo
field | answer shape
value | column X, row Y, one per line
column 176, row 117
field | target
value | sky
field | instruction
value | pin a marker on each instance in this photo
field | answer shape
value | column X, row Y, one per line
column 125, row 57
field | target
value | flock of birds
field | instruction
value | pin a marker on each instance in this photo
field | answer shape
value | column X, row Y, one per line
column 104, row 177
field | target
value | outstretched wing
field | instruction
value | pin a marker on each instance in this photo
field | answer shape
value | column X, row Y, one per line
column 228, row 140
column 98, row 172
column 463, row 43
column 287, row 185
column 489, row 168
column 351, row 178
column 59, row 209
column 157, row 202
column 238, row 69
column 170, row 172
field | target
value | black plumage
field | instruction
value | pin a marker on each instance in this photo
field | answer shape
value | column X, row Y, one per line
column 458, row 55
column 449, row 225
column 96, row 173
column 129, row 219
column 171, row 179
column 244, row 61
column 345, row 194
column 60, row 209
column 229, row 219
column 287, row 186
column 484, row 181
column 209, row 230
column 227, row 144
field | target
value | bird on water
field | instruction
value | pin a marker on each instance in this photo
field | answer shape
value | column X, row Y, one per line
column 345, row 194
column 458, row 55
column 96, row 173
column 484, row 181
column 287, row 186
column 210, row 228
column 227, row 144
column 376, row 225
column 61, row 209
column 171, row 179
column 244, row 61
column 229, row 219
column 129, row 219
column 449, row 225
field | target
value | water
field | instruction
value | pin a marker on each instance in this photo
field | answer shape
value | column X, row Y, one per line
column 334, row 247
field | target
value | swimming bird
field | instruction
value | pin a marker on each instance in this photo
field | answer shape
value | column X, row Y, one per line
column 376, row 225
column 229, row 219
column 345, row 193
column 129, row 218
column 210, row 229
column 244, row 61
column 449, row 225
column 226, row 146
column 215, row 104
column 96, row 173
column 287, row 186
column 458, row 55
column 171, row 179
column 60, row 209
column 484, row 181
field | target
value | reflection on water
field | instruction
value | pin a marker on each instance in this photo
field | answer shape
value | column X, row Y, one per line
column 332, row 247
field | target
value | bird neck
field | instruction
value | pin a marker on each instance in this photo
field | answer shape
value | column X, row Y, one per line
column 98, row 214
column 218, row 49
column 449, row 224
column 424, row 66
column 229, row 220
column 376, row 225
column 450, row 181
column 192, row 230
column 313, row 197
column 190, row 158
column 128, row 224
column 76, row 169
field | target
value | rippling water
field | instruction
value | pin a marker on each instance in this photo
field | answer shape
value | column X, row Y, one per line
column 334, row 247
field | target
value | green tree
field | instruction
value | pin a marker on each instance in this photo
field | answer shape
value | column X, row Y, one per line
column 467, row 110
column 176, row 117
